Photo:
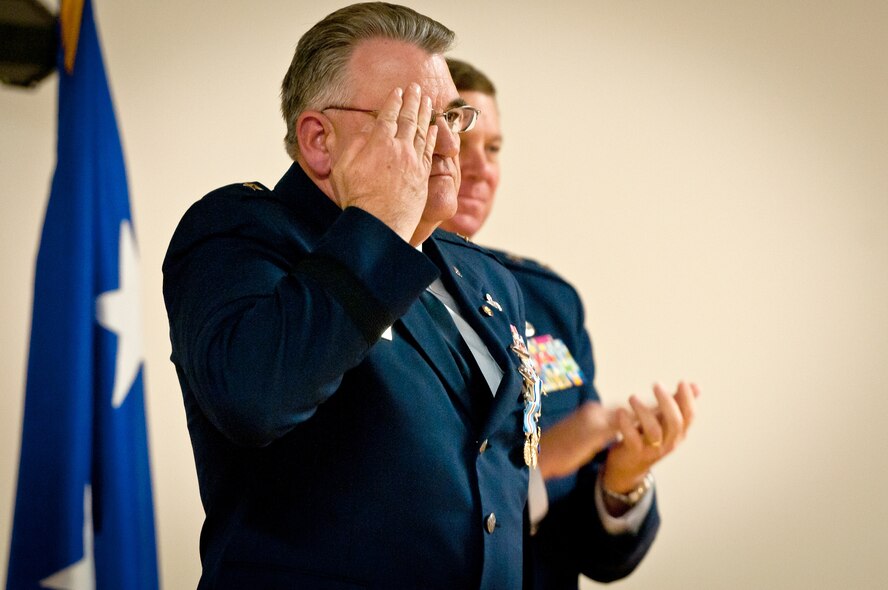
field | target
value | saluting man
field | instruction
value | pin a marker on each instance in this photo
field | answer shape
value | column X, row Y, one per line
column 361, row 403
column 596, row 513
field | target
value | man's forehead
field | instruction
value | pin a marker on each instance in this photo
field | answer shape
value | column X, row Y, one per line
column 378, row 65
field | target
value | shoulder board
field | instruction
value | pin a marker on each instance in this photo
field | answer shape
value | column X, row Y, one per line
column 514, row 261
column 240, row 190
column 244, row 188
column 521, row 264
column 254, row 186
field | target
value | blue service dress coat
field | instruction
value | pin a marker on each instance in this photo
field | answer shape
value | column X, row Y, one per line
column 332, row 452
column 570, row 540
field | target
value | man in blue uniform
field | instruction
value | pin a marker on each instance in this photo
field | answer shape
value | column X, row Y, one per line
column 359, row 397
column 596, row 513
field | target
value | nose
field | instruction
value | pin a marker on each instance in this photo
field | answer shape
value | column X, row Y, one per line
column 447, row 143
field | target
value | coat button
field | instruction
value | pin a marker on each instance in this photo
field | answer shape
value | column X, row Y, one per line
column 486, row 311
column 484, row 446
column 490, row 523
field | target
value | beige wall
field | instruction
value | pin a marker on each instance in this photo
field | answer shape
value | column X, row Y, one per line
column 712, row 176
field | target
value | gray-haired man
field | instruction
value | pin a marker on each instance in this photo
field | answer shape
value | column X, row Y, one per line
column 358, row 393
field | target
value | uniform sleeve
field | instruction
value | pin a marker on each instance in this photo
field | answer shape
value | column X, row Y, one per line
column 583, row 351
column 572, row 540
column 264, row 327
column 572, row 537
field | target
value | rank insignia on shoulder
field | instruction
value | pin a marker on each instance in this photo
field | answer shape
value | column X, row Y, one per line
column 466, row 238
column 253, row 186
column 555, row 364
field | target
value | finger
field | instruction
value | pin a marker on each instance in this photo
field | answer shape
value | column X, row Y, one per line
column 408, row 113
column 431, row 140
column 422, row 130
column 670, row 416
column 631, row 436
column 386, row 121
column 685, row 400
column 647, row 421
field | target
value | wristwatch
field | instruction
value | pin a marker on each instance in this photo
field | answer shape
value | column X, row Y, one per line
column 634, row 496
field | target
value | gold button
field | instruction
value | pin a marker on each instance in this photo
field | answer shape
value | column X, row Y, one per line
column 490, row 523
column 484, row 446
column 456, row 270
column 486, row 310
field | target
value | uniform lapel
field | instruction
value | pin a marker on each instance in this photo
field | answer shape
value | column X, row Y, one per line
column 470, row 289
column 420, row 330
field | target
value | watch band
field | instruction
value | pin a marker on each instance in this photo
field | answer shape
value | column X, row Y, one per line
column 633, row 496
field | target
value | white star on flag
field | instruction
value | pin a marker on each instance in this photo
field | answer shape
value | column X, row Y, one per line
column 80, row 575
column 120, row 311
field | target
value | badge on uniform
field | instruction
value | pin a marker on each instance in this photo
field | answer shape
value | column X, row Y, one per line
column 532, row 390
column 554, row 363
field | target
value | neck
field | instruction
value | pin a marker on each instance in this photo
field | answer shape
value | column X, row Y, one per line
column 422, row 233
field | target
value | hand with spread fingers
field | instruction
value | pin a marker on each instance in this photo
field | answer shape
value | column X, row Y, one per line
column 649, row 436
column 385, row 167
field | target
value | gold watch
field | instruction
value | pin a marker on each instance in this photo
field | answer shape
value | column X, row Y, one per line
column 634, row 496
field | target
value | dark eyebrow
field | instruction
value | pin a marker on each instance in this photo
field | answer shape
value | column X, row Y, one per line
column 456, row 102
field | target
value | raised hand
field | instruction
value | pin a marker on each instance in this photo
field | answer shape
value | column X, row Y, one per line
column 385, row 168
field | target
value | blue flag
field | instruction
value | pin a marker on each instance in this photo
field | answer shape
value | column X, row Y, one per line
column 83, row 514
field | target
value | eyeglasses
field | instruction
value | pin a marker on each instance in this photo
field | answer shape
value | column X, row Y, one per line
column 457, row 119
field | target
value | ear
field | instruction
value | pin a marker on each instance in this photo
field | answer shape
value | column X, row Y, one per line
column 312, row 131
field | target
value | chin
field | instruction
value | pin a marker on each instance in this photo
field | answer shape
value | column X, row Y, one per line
column 439, row 207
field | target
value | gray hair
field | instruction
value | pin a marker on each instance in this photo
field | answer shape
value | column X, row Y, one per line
column 317, row 74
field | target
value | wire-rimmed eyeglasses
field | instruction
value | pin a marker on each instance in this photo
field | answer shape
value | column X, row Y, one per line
column 457, row 119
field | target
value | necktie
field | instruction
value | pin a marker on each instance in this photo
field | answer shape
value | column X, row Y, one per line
column 462, row 354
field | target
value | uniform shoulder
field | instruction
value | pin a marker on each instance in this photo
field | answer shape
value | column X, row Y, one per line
column 231, row 195
column 222, row 209
column 546, row 293
column 522, row 265
column 239, row 190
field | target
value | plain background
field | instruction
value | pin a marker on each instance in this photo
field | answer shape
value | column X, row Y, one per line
column 712, row 176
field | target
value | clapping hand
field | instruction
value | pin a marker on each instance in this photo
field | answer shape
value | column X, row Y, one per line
column 648, row 434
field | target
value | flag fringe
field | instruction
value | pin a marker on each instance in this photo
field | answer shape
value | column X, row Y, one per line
column 71, row 13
